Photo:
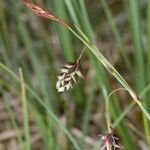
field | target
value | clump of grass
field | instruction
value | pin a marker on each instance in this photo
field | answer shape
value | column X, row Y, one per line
column 80, row 35
column 41, row 65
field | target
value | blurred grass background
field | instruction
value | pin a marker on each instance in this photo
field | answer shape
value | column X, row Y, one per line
column 39, row 118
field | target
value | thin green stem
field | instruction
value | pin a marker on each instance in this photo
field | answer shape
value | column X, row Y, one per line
column 25, row 112
column 81, row 54
column 107, row 111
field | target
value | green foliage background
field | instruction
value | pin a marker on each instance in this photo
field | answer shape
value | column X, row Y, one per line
column 40, row 47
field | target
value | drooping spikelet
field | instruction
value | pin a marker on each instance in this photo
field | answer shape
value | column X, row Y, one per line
column 70, row 74
column 43, row 12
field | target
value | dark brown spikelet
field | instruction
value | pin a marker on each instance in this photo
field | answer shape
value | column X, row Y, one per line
column 110, row 142
column 44, row 13
column 70, row 74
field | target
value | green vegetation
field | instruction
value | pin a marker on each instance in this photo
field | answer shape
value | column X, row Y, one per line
column 75, row 118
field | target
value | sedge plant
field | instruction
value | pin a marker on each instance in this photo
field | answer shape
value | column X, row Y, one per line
column 81, row 36
column 76, row 30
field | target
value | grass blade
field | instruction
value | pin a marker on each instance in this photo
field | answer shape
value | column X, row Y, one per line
column 25, row 112
column 116, row 34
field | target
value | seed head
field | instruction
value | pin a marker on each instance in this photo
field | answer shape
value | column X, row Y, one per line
column 43, row 12
column 109, row 142
column 70, row 74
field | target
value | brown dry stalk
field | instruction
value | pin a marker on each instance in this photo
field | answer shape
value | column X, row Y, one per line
column 44, row 13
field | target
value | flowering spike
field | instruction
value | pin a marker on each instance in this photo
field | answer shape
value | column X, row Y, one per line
column 70, row 73
column 44, row 13
column 109, row 142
